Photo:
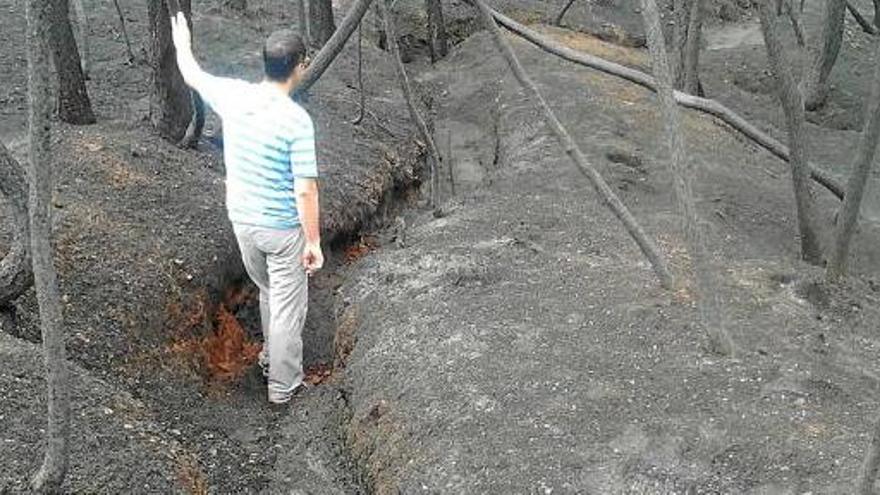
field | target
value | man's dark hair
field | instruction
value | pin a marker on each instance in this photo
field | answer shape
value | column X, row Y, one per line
column 283, row 51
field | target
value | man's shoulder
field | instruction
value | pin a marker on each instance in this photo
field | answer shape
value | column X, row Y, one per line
column 298, row 117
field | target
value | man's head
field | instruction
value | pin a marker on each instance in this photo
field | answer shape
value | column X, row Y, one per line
column 284, row 58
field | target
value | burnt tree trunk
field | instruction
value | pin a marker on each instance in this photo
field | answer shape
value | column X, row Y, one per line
column 877, row 13
column 124, row 31
column 687, row 40
column 706, row 289
column 815, row 84
column 793, row 106
column 51, row 474
column 855, row 189
column 303, row 20
column 74, row 106
column 82, row 28
column 15, row 268
column 170, row 101
column 329, row 52
column 568, row 145
column 438, row 41
column 321, row 24
column 557, row 21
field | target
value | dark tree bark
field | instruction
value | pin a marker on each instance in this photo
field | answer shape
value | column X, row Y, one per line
column 877, row 13
column 170, row 102
column 706, row 289
column 332, row 48
column 321, row 23
column 855, row 190
column 687, row 40
column 406, row 88
column 74, row 106
column 871, row 464
column 645, row 243
column 438, row 41
column 815, row 84
column 15, row 268
column 51, row 474
column 303, row 19
column 793, row 106
column 82, row 27
column 709, row 107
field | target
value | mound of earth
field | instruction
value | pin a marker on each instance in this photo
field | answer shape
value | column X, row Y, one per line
column 520, row 344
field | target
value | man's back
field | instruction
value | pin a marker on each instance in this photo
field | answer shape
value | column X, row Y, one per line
column 268, row 143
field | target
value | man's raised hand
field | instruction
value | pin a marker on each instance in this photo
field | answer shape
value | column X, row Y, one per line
column 180, row 34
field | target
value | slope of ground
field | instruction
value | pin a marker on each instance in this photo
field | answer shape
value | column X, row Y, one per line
column 520, row 344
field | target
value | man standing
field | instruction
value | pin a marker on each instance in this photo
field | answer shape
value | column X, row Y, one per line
column 271, row 192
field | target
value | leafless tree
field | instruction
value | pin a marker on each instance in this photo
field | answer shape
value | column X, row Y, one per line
column 15, row 268
column 302, row 17
column 861, row 170
column 877, row 13
column 793, row 106
column 74, row 106
column 438, row 41
column 647, row 245
column 815, row 83
column 687, row 41
column 82, row 27
column 708, row 303
column 51, row 474
column 406, row 88
column 172, row 104
column 321, row 23
column 333, row 46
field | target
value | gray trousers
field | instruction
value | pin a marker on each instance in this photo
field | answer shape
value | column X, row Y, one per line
column 273, row 259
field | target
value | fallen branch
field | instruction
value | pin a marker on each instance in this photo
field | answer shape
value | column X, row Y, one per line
column 558, row 19
column 360, row 70
column 863, row 23
column 704, row 105
column 708, row 303
column 15, row 268
column 333, row 46
column 647, row 245
column 394, row 50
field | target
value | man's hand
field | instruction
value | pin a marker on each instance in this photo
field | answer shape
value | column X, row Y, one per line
column 312, row 258
column 180, row 33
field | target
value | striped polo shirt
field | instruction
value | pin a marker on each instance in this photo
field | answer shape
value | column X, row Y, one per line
column 268, row 143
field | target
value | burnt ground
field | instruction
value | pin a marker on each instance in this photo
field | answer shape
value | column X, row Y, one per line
column 517, row 344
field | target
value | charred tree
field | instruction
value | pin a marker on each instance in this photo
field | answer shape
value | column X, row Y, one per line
column 406, row 88
column 645, row 243
column 170, row 101
column 124, row 32
column 815, row 83
column 687, row 40
column 15, row 268
column 321, row 23
column 793, row 106
column 855, row 190
column 557, row 21
column 706, row 289
column 877, row 14
column 82, row 27
column 303, row 20
column 74, row 106
column 438, row 41
column 332, row 48
column 51, row 474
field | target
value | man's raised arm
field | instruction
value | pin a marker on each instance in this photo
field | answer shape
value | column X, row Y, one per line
column 194, row 76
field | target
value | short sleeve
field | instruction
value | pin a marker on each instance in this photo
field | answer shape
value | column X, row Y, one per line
column 303, row 157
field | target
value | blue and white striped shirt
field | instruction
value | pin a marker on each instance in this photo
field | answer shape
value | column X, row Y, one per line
column 268, row 142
